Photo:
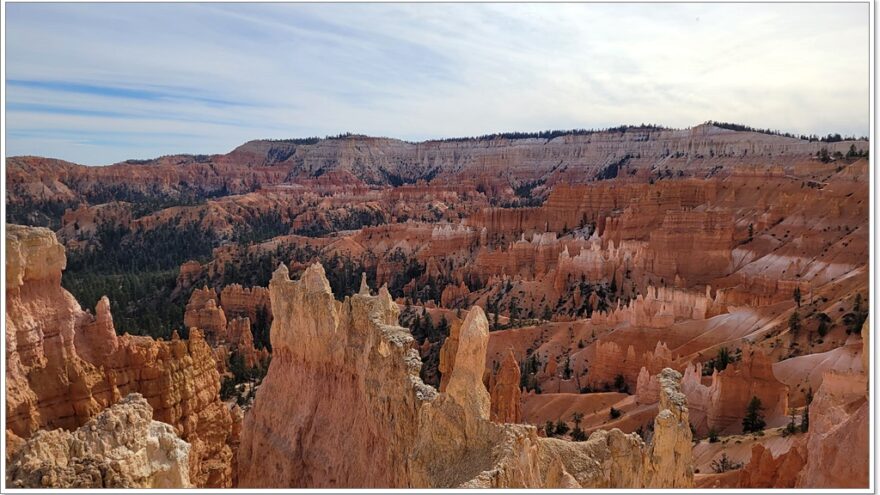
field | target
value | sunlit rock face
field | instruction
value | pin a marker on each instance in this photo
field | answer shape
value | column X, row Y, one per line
column 119, row 448
column 363, row 417
column 66, row 365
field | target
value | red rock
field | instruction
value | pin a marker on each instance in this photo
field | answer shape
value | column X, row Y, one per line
column 64, row 366
column 506, row 394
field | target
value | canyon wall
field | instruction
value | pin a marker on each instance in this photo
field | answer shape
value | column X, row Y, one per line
column 65, row 365
column 363, row 417
column 349, row 162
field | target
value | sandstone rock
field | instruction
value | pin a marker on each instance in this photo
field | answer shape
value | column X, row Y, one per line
column 362, row 417
column 838, row 420
column 204, row 313
column 766, row 471
column 119, row 448
column 65, row 366
column 506, row 394
column 447, row 354
column 239, row 301
column 669, row 463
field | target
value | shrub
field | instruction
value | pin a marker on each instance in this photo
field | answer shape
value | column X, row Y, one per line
column 561, row 428
column 713, row 436
column 724, row 464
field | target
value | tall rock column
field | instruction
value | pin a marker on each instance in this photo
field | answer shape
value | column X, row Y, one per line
column 506, row 394
column 669, row 463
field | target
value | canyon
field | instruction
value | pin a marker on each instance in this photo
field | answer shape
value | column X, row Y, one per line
column 638, row 307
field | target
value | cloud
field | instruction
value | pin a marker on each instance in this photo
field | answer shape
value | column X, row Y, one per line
column 102, row 83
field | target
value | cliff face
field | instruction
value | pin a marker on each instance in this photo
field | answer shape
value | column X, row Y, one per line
column 362, row 417
column 119, row 448
column 223, row 334
column 720, row 405
column 357, row 160
column 352, row 370
column 64, row 365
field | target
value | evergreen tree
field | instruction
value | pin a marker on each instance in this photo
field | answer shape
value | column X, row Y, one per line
column 561, row 428
column 722, row 359
column 754, row 419
column 794, row 323
column 805, row 419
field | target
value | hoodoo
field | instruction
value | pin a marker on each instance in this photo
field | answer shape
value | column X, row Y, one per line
column 363, row 417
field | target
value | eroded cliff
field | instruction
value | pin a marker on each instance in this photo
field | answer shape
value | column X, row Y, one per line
column 361, row 416
column 65, row 365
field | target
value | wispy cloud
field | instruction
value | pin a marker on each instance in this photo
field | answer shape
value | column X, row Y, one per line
column 99, row 83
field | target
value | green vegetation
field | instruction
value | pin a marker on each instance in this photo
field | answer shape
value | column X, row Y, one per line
column 548, row 135
column 724, row 464
column 794, row 323
column 857, row 317
column 830, row 138
column 561, row 428
column 137, row 271
column 754, row 419
column 713, row 436
column 577, row 434
column 242, row 375
column 38, row 213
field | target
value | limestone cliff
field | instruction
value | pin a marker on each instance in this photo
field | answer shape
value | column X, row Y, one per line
column 361, row 416
column 119, row 448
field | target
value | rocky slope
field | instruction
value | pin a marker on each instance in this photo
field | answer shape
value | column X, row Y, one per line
column 66, row 365
column 119, row 448
column 494, row 164
column 355, row 370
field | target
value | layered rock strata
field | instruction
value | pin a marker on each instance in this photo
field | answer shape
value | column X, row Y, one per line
column 362, row 416
column 65, row 365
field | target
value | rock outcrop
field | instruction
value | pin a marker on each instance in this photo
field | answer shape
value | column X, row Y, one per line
column 119, row 448
column 506, row 393
column 65, row 365
column 670, row 459
column 203, row 312
column 362, row 416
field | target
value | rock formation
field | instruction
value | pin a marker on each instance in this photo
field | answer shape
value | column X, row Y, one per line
column 720, row 405
column 669, row 461
column 506, row 394
column 119, row 448
column 204, row 313
column 362, row 417
column 64, row 365
column 447, row 354
column 239, row 301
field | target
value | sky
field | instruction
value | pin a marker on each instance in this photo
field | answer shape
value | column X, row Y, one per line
column 101, row 83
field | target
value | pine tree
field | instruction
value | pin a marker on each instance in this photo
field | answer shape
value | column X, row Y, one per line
column 754, row 420
column 722, row 359
column 561, row 428
column 794, row 323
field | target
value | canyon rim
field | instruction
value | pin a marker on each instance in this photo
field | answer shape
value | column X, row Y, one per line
column 679, row 306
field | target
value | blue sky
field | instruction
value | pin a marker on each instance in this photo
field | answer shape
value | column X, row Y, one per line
column 100, row 83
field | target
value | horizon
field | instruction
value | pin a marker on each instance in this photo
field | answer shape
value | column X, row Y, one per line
column 562, row 132
column 202, row 79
